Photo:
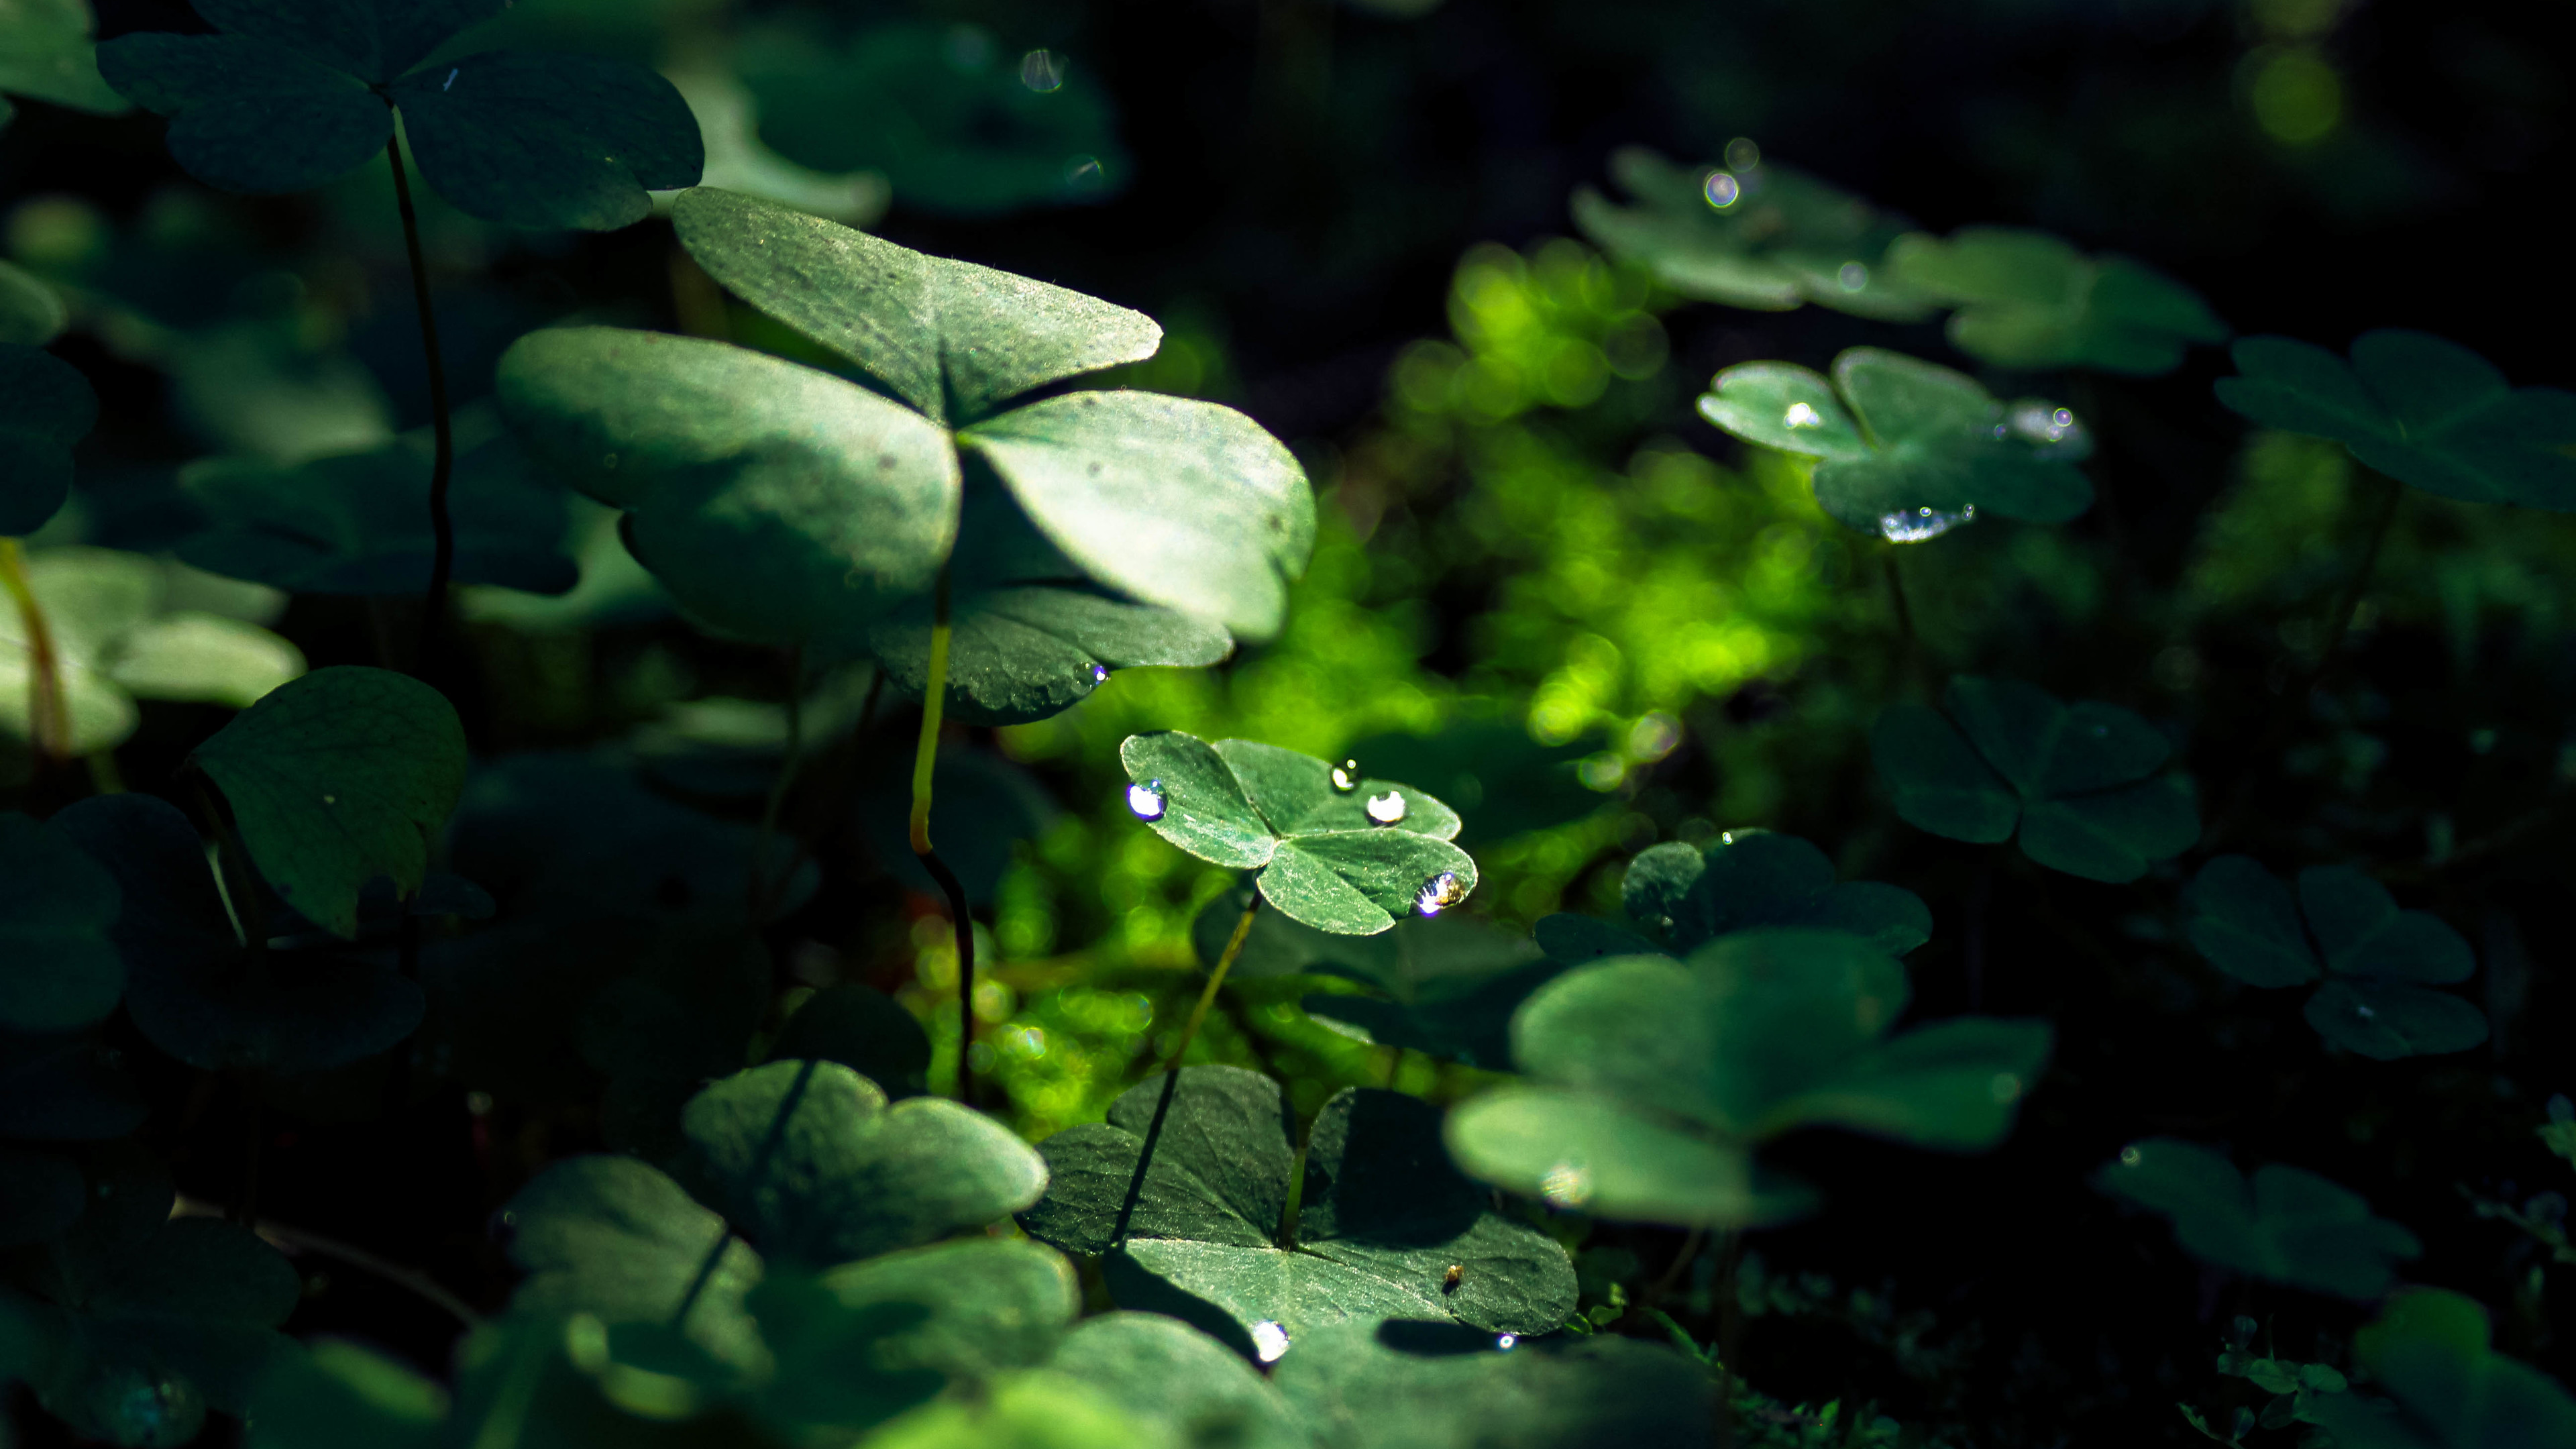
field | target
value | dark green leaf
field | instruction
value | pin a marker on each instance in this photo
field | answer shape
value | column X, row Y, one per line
column 953, row 339
column 374, row 40
column 1451, row 985
column 1192, row 1386
column 549, row 140
column 45, row 52
column 1032, row 651
column 816, row 1168
column 31, row 314
column 983, row 807
column 2288, row 1225
column 991, row 1305
column 56, row 907
column 2365, row 935
column 41, row 1194
column 2385, row 1021
column 863, row 1029
column 336, row 778
column 45, row 407
column 2245, row 921
column 614, row 1237
column 2430, row 1349
column 1906, row 449
column 359, row 523
column 1416, row 1385
column 848, row 502
column 2029, row 300
column 2424, row 411
column 64, row 1089
column 332, row 1393
column 247, row 114
column 1749, row 878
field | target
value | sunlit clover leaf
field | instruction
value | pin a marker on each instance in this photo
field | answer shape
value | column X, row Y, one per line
column 1163, row 1371
column 1382, row 1216
column 2377, row 959
column 1686, row 895
column 1906, row 449
column 2430, row 1352
column 2425, row 411
column 775, row 501
column 56, row 906
column 814, row 1166
column 115, row 640
column 343, row 775
column 2078, row 782
column 285, row 100
column 2287, row 1225
column 1769, row 238
column 45, row 407
column 1322, row 858
column 1652, row 1079
column 2027, row 299
column 617, row 1238
column 192, row 987
column 46, row 53
column 359, row 523
column 1415, row 1385
column 31, row 313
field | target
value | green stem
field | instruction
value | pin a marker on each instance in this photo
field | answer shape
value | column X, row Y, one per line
column 758, row 893
column 48, row 717
column 925, row 758
column 1172, row 1078
column 299, row 1240
column 442, row 562
column 240, row 883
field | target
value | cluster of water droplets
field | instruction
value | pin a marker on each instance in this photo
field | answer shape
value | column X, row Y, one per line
column 2046, row 427
column 1914, row 525
column 1802, row 415
column 1147, row 800
column 1346, row 777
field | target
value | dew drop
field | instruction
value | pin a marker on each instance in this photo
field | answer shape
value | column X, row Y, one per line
column 1346, row 776
column 1853, row 276
column 1722, row 190
column 1386, row 809
column 1801, row 415
column 2005, row 1088
column 2131, row 1157
column 2365, row 1013
column 1100, row 674
column 1269, row 1341
column 1914, row 525
column 1505, row 1343
column 1567, row 1185
column 1146, row 800
column 1440, row 893
column 330, row 799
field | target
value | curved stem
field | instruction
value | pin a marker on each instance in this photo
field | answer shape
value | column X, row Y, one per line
column 298, row 1240
column 925, row 758
column 1172, row 1081
column 48, row 715
column 442, row 563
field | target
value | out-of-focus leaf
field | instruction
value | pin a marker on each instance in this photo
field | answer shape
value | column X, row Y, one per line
column 45, row 407
column 2027, row 299
column 2287, row 1225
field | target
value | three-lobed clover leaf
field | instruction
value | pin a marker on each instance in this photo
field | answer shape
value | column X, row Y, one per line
column 1907, row 449
column 1166, row 1373
column 2029, row 300
column 1381, row 1219
column 45, row 407
column 2287, row 1225
column 1684, row 895
column 2077, row 782
column 1766, row 237
column 2430, row 1352
column 337, row 778
column 286, row 98
column 2376, row 958
column 191, row 985
column 358, row 523
column 56, row 907
column 2421, row 409
column 1653, row 1079
column 46, row 53
column 116, row 639
column 1352, row 857
column 1418, row 1385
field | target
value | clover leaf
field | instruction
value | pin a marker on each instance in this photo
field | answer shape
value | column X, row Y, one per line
column 358, row 523
column 1381, row 1220
column 1415, row 1385
column 2376, row 958
column 336, row 778
column 1767, row 237
column 56, row 906
column 2429, row 1350
column 2423, row 410
column 1906, row 449
column 2029, row 300
column 1685, row 895
column 116, row 640
column 46, row 53
column 31, row 313
column 284, row 101
column 46, row 405
column 2077, row 781
column 65, row 1089
column 616, row 1238
column 1168, row 1374
column 192, row 986
column 1653, row 1079
column 2287, row 1224
column 1351, row 858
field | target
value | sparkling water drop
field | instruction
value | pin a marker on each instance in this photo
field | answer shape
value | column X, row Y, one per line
column 1346, row 776
column 1146, row 800
column 1099, row 674
column 1914, row 525
column 1853, row 276
column 1721, row 189
column 1567, row 1185
column 1270, row 1341
column 1386, row 809
column 1440, row 893
column 1742, row 154
column 1505, row 1343
column 2364, row 1012
column 1800, row 415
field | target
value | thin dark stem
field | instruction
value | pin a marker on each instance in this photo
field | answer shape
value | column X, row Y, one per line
column 240, row 882
column 1681, row 1260
column 769, row 1141
column 955, row 891
column 1172, row 1078
column 442, row 563
column 1909, row 646
column 299, row 1240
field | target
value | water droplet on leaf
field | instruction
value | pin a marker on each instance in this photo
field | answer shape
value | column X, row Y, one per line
column 1146, row 800
column 1568, row 1184
column 1853, row 276
column 1505, row 1343
column 1721, row 190
column 1270, row 1341
column 1100, row 674
column 1346, row 776
column 1914, row 525
column 1440, row 893
column 1386, row 809
column 1800, row 415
